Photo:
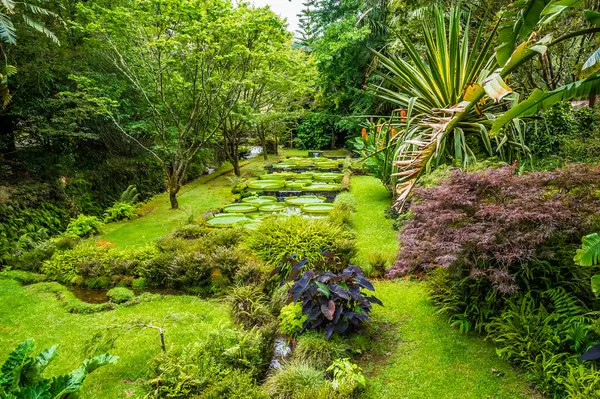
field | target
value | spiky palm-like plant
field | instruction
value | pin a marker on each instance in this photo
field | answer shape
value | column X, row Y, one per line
column 453, row 90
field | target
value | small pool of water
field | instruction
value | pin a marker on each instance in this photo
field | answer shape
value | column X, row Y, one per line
column 99, row 296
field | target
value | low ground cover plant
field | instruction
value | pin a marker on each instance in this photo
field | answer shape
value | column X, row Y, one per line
column 498, row 251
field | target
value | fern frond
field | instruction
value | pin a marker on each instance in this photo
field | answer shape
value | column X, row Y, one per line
column 565, row 304
column 7, row 30
column 589, row 254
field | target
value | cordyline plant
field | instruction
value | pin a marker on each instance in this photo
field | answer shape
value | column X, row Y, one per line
column 491, row 223
column 333, row 302
column 457, row 88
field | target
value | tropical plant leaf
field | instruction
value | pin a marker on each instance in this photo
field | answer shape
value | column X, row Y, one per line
column 33, row 370
column 589, row 253
column 557, row 7
column 596, row 284
column 539, row 100
column 592, row 16
column 7, row 30
column 72, row 382
column 527, row 17
column 592, row 64
column 10, row 373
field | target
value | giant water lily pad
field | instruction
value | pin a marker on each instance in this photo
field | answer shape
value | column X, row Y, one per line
column 304, row 199
column 258, row 201
column 266, row 184
column 328, row 177
column 227, row 220
column 239, row 208
column 278, row 207
column 317, row 208
column 297, row 185
column 323, row 187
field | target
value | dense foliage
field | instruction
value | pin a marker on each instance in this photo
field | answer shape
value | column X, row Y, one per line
column 498, row 250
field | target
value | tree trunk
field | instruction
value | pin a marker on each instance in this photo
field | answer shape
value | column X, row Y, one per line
column 264, row 146
column 236, row 168
column 276, row 145
column 173, row 198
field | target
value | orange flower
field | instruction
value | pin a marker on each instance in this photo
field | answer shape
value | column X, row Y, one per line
column 394, row 132
column 364, row 133
column 403, row 115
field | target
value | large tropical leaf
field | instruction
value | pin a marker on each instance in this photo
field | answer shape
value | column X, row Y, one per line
column 32, row 372
column 557, row 7
column 517, row 26
column 540, row 100
column 10, row 373
column 589, row 253
column 7, row 30
column 72, row 382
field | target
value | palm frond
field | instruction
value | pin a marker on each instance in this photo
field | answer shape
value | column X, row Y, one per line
column 7, row 30
column 40, row 27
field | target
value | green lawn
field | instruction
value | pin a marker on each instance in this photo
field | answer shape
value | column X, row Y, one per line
column 426, row 358
column 374, row 231
column 25, row 313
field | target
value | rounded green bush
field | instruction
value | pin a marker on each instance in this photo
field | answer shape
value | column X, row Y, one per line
column 120, row 295
column 98, row 283
column 295, row 381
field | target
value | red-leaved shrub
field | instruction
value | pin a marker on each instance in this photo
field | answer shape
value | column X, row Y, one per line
column 491, row 222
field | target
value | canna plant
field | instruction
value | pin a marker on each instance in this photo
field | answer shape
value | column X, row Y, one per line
column 458, row 89
column 21, row 374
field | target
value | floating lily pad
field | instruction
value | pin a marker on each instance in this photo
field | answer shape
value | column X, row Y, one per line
column 228, row 215
column 304, row 199
column 278, row 207
column 266, row 184
column 296, row 185
column 258, row 201
column 323, row 187
column 317, row 208
column 328, row 177
column 239, row 208
column 226, row 220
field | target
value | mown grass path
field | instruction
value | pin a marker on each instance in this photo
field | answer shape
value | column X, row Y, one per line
column 374, row 231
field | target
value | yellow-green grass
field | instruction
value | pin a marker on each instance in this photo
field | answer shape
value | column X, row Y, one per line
column 26, row 313
column 422, row 357
column 374, row 232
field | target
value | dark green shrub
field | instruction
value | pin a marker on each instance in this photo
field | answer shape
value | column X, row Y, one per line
column 98, row 283
column 251, row 272
column 188, row 270
column 84, row 226
column 314, row 131
column 190, row 232
column 316, row 351
column 120, row 294
column 249, row 306
column 32, row 258
column 226, row 237
column 276, row 238
column 119, row 211
column 139, row 284
column 228, row 261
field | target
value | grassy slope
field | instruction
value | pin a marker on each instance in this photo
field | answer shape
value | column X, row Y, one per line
column 374, row 231
column 27, row 314
column 195, row 199
column 426, row 358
